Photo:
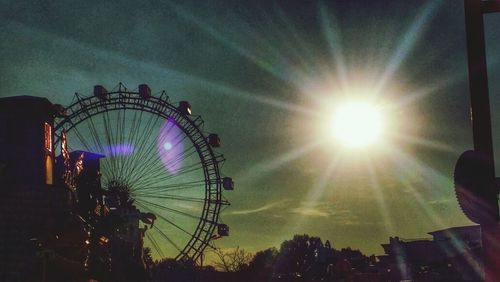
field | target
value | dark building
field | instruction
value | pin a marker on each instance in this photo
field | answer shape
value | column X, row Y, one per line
column 40, row 238
column 452, row 254
column 26, row 135
column 26, row 177
column 56, row 221
column 461, row 246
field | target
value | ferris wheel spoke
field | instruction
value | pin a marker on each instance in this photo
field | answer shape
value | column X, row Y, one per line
column 155, row 159
column 148, row 165
column 120, row 125
column 158, row 206
column 141, row 149
column 134, row 127
column 157, row 172
column 100, row 146
column 155, row 245
column 169, row 186
column 145, row 134
column 177, row 138
column 138, row 139
column 181, row 157
column 167, row 238
column 159, row 169
column 82, row 140
column 93, row 133
column 112, row 141
column 182, row 186
column 110, row 148
column 171, row 197
column 158, row 163
column 118, row 138
column 145, row 147
column 125, row 139
column 166, row 220
column 120, row 149
column 160, row 189
column 72, row 147
column 135, row 138
column 172, row 187
column 184, row 172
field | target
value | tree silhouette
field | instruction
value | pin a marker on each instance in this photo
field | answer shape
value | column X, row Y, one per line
column 261, row 267
column 298, row 255
column 147, row 257
column 232, row 260
column 174, row 270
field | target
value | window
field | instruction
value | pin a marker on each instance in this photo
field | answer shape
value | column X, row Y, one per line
column 48, row 137
column 48, row 170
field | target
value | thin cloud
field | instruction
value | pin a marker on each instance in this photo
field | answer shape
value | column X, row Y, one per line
column 260, row 209
column 324, row 209
column 441, row 201
column 312, row 211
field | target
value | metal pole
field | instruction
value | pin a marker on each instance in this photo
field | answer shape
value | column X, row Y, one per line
column 481, row 125
column 478, row 78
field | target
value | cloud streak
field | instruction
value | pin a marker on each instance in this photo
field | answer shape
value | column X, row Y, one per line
column 259, row 209
column 325, row 210
column 312, row 211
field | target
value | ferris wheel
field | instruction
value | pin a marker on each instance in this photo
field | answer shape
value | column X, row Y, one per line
column 158, row 152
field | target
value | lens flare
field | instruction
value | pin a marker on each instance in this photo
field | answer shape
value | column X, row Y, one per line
column 118, row 150
column 170, row 147
column 167, row 146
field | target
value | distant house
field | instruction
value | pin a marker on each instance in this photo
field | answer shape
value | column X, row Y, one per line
column 452, row 254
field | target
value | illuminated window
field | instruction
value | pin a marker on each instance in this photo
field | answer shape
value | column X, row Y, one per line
column 48, row 170
column 103, row 240
column 48, row 137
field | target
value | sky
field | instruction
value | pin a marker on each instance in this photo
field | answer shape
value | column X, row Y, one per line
column 267, row 76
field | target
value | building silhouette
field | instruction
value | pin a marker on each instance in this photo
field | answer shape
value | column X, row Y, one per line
column 453, row 254
column 34, row 210
column 53, row 230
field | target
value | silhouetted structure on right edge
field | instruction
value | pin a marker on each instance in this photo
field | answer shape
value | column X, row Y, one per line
column 453, row 254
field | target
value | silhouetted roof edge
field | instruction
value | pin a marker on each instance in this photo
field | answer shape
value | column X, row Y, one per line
column 16, row 103
column 455, row 228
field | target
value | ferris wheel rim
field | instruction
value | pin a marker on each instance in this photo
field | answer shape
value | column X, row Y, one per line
column 86, row 107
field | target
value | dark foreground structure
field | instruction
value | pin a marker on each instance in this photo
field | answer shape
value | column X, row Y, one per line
column 50, row 231
column 28, row 198
column 475, row 181
column 453, row 254
column 62, row 218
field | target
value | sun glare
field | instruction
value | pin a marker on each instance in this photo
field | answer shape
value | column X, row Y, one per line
column 357, row 124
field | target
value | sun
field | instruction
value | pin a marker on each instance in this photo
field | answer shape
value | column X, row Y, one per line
column 357, row 124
